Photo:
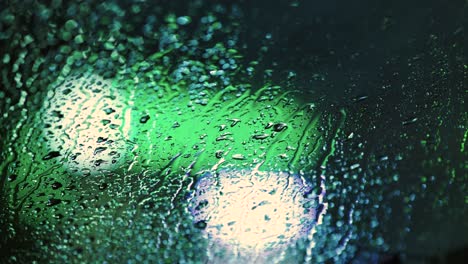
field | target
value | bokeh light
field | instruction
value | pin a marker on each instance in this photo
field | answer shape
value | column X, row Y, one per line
column 86, row 123
column 257, row 213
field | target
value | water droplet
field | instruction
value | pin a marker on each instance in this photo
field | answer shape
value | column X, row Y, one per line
column 184, row 20
column 102, row 186
column 109, row 111
column 360, row 98
column 238, row 157
column 53, row 201
column 51, row 155
column 105, row 122
column 99, row 150
column 201, row 224
column 144, row 119
column 410, row 121
column 12, row 177
column 56, row 185
column 269, row 125
column 234, row 121
column 219, row 154
column 101, row 139
column 261, row 136
column 279, row 127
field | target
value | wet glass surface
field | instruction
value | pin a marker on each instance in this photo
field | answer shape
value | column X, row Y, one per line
column 256, row 132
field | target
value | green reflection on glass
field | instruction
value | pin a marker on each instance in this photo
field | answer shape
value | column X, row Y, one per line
column 103, row 157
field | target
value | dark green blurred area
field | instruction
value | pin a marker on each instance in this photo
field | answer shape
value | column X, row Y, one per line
column 397, row 178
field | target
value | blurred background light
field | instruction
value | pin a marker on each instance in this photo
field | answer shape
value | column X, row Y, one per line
column 85, row 122
column 252, row 212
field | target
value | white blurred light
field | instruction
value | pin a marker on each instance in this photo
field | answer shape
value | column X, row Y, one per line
column 86, row 123
column 253, row 212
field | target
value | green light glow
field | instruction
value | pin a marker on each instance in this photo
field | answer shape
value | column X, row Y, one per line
column 241, row 129
column 114, row 135
column 97, row 125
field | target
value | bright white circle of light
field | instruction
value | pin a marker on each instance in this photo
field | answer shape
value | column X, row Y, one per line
column 86, row 122
column 253, row 211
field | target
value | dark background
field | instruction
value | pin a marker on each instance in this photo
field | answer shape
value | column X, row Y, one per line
column 399, row 69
